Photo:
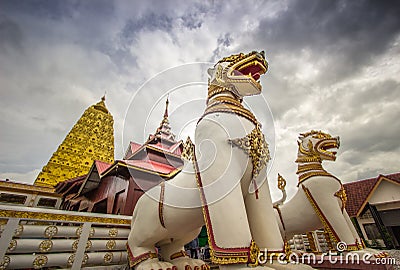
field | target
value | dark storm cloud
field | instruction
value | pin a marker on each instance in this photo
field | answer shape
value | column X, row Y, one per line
column 58, row 9
column 38, row 8
column 224, row 41
column 10, row 35
column 379, row 94
column 346, row 34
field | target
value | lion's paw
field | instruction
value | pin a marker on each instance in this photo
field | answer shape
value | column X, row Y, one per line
column 155, row 264
column 190, row 264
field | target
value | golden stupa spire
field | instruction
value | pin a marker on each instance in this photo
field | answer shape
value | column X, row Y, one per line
column 91, row 138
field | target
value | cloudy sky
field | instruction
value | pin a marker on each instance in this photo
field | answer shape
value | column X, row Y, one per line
column 334, row 66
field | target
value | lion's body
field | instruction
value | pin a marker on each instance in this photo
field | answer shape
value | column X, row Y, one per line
column 299, row 215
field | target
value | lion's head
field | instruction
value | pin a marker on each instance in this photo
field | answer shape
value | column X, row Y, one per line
column 240, row 73
column 317, row 146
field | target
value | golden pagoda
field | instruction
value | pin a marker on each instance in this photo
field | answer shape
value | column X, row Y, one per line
column 91, row 138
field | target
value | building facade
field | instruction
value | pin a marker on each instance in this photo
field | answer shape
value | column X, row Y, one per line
column 12, row 193
column 374, row 205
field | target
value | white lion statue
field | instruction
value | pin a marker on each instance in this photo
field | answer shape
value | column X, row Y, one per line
column 222, row 184
column 321, row 198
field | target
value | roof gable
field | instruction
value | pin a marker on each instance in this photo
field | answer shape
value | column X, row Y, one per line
column 386, row 191
column 359, row 192
column 93, row 178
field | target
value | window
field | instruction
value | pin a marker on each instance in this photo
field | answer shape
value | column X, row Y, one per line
column 12, row 198
column 46, row 202
column 372, row 231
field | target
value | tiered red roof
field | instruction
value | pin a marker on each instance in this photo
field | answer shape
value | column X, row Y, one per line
column 154, row 166
column 359, row 192
column 101, row 166
column 70, row 186
column 160, row 154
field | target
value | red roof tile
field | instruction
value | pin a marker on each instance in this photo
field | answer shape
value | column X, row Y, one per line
column 151, row 165
column 101, row 166
column 358, row 192
column 394, row 177
column 64, row 186
column 135, row 147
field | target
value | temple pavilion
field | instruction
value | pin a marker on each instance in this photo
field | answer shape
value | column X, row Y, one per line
column 114, row 187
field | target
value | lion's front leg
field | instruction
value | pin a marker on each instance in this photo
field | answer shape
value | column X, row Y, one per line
column 220, row 171
column 263, row 225
column 146, row 231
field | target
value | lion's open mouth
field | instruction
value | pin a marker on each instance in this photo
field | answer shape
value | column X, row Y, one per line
column 328, row 147
column 252, row 68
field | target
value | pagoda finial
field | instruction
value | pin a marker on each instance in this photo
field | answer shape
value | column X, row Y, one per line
column 166, row 107
column 101, row 105
column 164, row 130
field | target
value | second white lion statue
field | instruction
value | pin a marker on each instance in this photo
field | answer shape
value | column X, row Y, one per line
column 321, row 197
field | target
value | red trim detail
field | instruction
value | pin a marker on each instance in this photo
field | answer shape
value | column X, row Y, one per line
column 218, row 251
column 101, row 166
column 280, row 216
column 255, row 188
column 161, row 204
column 133, row 261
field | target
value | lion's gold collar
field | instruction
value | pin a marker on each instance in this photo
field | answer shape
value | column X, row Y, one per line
column 231, row 105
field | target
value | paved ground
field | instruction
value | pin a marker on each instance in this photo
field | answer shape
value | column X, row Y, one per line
column 395, row 253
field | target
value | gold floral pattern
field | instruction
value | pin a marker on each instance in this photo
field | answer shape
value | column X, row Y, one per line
column 19, row 230
column 59, row 217
column 341, row 194
column 113, row 232
column 108, row 257
column 76, row 242
column 40, row 261
column 45, row 246
column 13, row 245
column 79, row 231
column 256, row 147
column 71, row 259
column 281, row 182
column 188, row 150
column 50, row 231
column 5, row 262
column 111, row 244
